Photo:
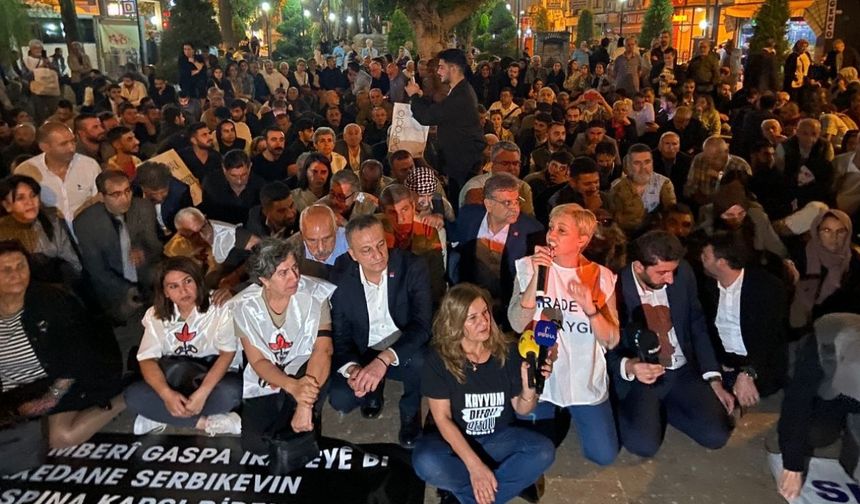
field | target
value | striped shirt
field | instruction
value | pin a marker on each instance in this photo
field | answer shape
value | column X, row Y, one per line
column 18, row 362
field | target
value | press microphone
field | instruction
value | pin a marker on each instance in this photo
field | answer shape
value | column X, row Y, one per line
column 645, row 341
column 546, row 335
column 529, row 350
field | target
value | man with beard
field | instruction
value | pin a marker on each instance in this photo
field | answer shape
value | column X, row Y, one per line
column 276, row 214
column 642, row 193
column 90, row 134
column 586, row 143
column 346, row 198
column 321, row 240
column 556, row 142
column 126, row 146
column 119, row 246
column 505, row 157
column 684, row 389
column 226, row 138
column 23, row 144
column 371, row 177
column 460, row 139
column 271, row 165
column 573, row 124
column 689, row 129
column 377, row 131
column 678, row 221
column 229, row 194
column 167, row 194
column 68, row 179
column 200, row 158
column 548, row 181
column 304, row 129
column 583, row 187
column 767, row 183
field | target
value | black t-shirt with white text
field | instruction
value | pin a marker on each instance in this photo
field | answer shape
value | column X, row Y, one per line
column 482, row 404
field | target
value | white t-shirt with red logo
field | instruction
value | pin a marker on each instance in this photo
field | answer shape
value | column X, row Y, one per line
column 289, row 345
column 199, row 335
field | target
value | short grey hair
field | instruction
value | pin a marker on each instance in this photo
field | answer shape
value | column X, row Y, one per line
column 638, row 148
column 503, row 146
column 346, row 177
column 188, row 213
column 503, row 181
column 267, row 255
column 323, row 130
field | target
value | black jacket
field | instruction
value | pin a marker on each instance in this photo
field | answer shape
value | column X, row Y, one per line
column 763, row 328
column 409, row 304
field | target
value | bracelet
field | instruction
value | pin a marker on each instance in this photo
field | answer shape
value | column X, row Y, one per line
column 382, row 361
column 528, row 400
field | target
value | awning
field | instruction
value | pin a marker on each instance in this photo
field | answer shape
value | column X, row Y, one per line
column 747, row 10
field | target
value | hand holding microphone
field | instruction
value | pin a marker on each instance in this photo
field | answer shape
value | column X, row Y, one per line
column 529, row 350
column 546, row 336
column 647, row 369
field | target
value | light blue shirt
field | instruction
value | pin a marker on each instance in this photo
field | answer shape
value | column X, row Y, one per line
column 338, row 54
column 340, row 246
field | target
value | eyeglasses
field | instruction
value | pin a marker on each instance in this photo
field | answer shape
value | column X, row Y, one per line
column 514, row 203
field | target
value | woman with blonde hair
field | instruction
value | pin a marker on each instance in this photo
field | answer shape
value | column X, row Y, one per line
column 475, row 383
column 579, row 295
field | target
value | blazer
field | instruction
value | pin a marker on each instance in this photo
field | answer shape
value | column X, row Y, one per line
column 98, row 240
column 677, row 174
column 460, row 139
column 409, row 304
column 688, row 320
column 178, row 197
column 763, row 327
column 523, row 235
column 365, row 153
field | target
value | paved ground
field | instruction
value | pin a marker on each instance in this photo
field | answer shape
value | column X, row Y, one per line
column 682, row 472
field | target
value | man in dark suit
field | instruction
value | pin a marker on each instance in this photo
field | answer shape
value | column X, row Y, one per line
column 491, row 238
column 658, row 293
column 840, row 57
column 381, row 314
column 460, row 138
column 154, row 182
column 746, row 309
column 670, row 162
column 353, row 148
column 119, row 245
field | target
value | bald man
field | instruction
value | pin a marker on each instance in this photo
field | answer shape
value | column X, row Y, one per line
column 353, row 147
column 708, row 168
column 68, row 179
column 322, row 240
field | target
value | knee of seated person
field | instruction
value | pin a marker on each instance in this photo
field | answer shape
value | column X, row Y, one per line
column 715, row 438
column 342, row 400
column 603, row 457
column 428, row 464
column 644, row 449
column 543, row 454
column 59, row 438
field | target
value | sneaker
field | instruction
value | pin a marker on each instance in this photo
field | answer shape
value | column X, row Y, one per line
column 143, row 425
column 229, row 423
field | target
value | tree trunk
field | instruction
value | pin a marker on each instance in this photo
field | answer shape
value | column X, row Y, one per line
column 70, row 22
column 431, row 29
column 225, row 19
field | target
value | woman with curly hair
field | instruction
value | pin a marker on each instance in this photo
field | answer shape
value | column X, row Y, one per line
column 476, row 383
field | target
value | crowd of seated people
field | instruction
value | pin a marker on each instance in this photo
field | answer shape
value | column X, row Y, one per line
column 295, row 261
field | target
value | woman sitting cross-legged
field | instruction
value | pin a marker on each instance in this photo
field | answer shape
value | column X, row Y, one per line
column 55, row 362
column 475, row 382
column 187, row 357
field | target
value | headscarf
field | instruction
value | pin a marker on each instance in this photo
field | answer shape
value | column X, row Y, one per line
column 813, row 291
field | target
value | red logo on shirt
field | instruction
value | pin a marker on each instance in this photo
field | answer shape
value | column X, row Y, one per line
column 184, row 336
column 281, row 347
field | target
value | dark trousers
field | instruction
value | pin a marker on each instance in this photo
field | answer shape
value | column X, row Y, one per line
column 680, row 398
column 271, row 414
column 224, row 398
column 516, row 456
column 343, row 399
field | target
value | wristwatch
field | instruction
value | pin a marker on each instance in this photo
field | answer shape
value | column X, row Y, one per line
column 750, row 371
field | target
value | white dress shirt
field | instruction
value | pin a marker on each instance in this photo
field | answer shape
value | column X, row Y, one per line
column 66, row 195
column 381, row 325
column 728, row 319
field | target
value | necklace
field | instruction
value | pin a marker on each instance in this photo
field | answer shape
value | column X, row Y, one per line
column 474, row 363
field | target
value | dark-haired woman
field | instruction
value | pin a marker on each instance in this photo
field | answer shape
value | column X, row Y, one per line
column 475, row 383
column 187, row 357
column 314, row 181
column 41, row 230
column 54, row 361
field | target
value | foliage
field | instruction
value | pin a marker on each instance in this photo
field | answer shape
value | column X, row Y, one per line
column 14, row 28
column 501, row 36
column 501, row 19
column 244, row 12
column 658, row 17
column 770, row 22
column 297, row 32
column 483, row 24
column 190, row 21
column 541, row 19
column 401, row 31
column 585, row 26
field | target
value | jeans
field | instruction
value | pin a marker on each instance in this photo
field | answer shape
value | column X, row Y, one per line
column 516, row 456
column 342, row 398
column 681, row 398
column 595, row 425
column 225, row 397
